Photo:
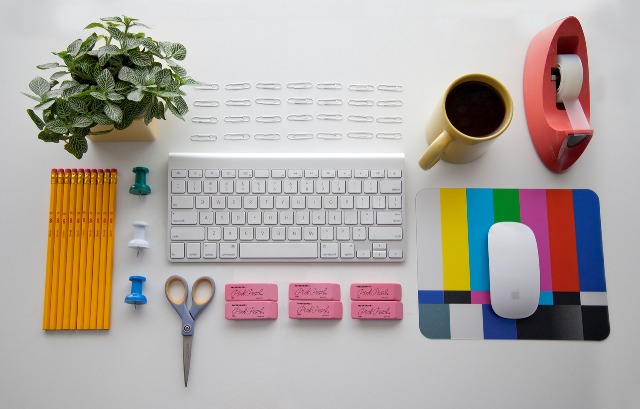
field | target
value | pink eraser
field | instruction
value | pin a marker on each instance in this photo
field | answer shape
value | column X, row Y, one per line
column 376, row 292
column 303, row 309
column 251, row 292
column 251, row 310
column 314, row 291
column 376, row 310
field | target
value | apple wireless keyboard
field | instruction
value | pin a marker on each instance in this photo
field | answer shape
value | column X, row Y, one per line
column 286, row 207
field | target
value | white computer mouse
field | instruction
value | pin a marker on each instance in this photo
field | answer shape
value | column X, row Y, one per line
column 514, row 270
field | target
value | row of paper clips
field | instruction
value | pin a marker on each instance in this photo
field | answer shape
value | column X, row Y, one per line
column 236, row 86
column 297, row 118
column 298, row 101
column 297, row 136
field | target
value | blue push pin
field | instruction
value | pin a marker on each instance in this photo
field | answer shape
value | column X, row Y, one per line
column 140, row 186
column 136, row 297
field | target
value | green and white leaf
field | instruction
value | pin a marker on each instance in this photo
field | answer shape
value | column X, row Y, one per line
column 117, row 33
column 48, row 136
column 36, row 119
column 82, row 122
column 114, row 96
column 113, row 19
column 179, row 51
column 44, row 105
column 99, row 95
column 135, row 95
column 113, row 112
column 57, row 126
column 39, row 86
column 58, row 74
column 77, row 146
column 89, row 43
column 101, row 119
column 105, row 81
column 94, row 25
column 63, row 108
column 48, row 65
column 180, row 105
column 74, row 47
column 78, row 105
column 177, row 69
column 140, row 58
column 32, row 96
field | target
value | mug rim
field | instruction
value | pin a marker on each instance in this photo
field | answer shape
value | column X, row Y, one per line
column 496, row 86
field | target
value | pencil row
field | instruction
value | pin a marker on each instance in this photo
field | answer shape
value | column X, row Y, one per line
column 80, row 249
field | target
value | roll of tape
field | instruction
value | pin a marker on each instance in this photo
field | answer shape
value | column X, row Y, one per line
column 571, row 77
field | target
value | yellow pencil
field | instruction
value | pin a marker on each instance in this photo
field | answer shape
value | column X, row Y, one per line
column 50, row 243
column 63, row 248
column 88, row 284
column 56, row 251
column 102, row 278
column 68, row 274
column 96, row 251
column 77, row 229
column 110, row 236
column 83, row 248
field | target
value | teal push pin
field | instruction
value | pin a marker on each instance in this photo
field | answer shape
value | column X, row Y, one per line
column 136, row 297
column 140, row 186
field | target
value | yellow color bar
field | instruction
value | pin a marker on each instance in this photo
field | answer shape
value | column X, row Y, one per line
column 455, row 247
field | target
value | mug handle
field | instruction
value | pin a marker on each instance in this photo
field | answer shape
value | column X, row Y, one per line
column 435, row 150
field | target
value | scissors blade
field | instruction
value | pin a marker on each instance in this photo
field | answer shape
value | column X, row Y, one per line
column 186, row 356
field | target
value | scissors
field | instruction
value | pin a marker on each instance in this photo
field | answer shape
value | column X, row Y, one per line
column 188, row 315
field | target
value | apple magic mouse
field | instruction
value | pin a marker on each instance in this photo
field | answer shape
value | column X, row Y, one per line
column 514, row 270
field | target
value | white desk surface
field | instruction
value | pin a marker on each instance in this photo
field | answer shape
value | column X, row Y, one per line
column 422, row 45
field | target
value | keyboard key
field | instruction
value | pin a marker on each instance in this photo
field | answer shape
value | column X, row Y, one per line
column 212, row 173
column 206, row 218
column 347, row 250
column 178, row 173
column 194, row 186
column 209, row 250
column 182, row 202
column 328, row 173
column 261, row 173
column 301, row 250
column 389, row 217
column 311, row 173
column 184, row 218
column 278, row 173
column 214, row 233
column 228, row 173
column 394, row 173
column 329, row 250
column 195, row 173
column 390, row 186
column 385, row 233
column 344, row 173
column 362, row 173
column 245, row 173
column 177, row 250
column 377, row 173
column 187, row 233
column 178, row 186
column 228, row 250
column 193, row 250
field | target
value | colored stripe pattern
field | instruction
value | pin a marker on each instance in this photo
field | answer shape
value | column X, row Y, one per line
column 566, row 223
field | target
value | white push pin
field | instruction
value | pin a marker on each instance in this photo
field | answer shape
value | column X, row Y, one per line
column 139, row 242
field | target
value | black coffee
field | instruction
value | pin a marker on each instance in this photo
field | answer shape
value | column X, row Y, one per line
column 475, row 109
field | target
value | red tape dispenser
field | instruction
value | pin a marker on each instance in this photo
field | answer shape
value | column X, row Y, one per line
column 556, row 94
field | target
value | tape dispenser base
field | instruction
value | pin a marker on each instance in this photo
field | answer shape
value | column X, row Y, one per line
column 556, row 94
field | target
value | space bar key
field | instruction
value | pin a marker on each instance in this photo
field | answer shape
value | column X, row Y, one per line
column 278, row 250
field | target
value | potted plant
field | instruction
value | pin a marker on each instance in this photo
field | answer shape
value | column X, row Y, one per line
column 108, row 79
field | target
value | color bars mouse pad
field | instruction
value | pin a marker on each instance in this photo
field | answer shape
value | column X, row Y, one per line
column 453, row 263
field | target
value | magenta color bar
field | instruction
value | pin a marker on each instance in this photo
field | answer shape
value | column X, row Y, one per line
column 251, row 292
column 376, row 310
column 480, row 297
column 376, row 292
column 533, row 213
column 251, row 310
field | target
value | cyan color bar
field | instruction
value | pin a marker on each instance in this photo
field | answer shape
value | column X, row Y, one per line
column 586, row 213
column 479, row 219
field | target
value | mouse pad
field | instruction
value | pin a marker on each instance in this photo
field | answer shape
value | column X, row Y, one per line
column 453, row 263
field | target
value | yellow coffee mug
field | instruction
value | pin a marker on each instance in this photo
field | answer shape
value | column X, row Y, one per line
column 474, row 110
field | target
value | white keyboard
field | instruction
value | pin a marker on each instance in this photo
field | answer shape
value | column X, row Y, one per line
column 286, row 207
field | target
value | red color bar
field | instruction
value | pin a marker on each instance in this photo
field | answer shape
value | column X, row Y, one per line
column 562, row 241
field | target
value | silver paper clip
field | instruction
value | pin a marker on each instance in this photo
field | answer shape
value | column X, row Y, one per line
column 236, row 136
column 268, row 85
column 389, row 120
column 330, row 117
column 242, row 118
column 238, row 103
column 204, row 119
column 389, row 87
column 207, row 86
column 360, row 135
column 300, row 101
column 299, row 85
column 329, row 85
column 390, row 103
column 268, row 101
column 269, row 118
column 302, row 117
column 389, row 135
column 361, row 87
column 329, row 135
column 234, row 86
column 360, row 118
column 361, row 102
column 201, row 103
column 204, row 138
column 334, row 101
column 267, row 136
column 300, row 136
